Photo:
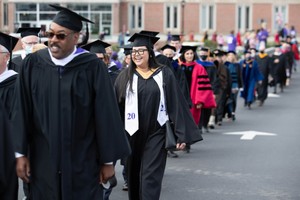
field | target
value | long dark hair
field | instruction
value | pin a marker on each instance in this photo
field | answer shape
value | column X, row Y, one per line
column 181, row 57
column 126, row 76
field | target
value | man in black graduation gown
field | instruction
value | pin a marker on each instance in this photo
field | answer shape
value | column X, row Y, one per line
column 278, row 70
column 68, row 129
column 8, row 177
column 264, row 64
column 29, row 38
column 7, row 77
column 224, row 77
column 99, row 48
column 176, row 42
column 169, row 52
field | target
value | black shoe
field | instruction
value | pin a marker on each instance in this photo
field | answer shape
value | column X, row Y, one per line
column 187, row 148
column 211, row 126
column 125, row 187
column 249, row 106
column 172, row 154
column 206, row 129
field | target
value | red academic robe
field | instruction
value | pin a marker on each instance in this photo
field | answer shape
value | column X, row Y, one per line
column 201, row 91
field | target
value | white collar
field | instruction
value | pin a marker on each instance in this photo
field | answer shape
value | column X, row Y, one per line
column 66, row 60
column 6, row 74
column 277, row 53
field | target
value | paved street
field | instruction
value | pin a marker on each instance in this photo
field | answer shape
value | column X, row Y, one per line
column 261, row 165
column 224, row 167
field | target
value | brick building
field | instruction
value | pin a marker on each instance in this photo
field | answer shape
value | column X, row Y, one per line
column 175, row 16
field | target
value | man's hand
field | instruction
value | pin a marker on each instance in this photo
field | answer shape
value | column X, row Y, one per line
column 180, row 146
column 23, row 168
column 106, row 172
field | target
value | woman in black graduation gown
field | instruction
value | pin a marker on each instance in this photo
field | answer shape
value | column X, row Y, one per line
column 140, row 95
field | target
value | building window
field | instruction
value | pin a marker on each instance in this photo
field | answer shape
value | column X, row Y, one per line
column 135, row 16
column 243, row 17
column 5, row 14
column 207, row 17
column 27, row 17
column 26, row 6
column 279, row 17
column 78, row 7
column 172, row 17
column 41, row 15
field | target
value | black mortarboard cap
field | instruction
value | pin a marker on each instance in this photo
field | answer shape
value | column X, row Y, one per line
column 127, row 48
column 9, row 42
column 143, row 40
column 247, row 51
column 278, row 45
column 253, row 49
column 68, row 18
column 97, row 46
column 175, row 37
column 168, row 47
column 204, row 49
column 150, row 33
column 185, row 48
column 218, row 52
column 228, row 52
column 26, row 31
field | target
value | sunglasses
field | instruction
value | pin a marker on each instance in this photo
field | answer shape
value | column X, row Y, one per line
column 59, row 36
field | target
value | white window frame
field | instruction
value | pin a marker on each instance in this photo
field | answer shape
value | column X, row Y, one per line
column 243, row 26
column 206, row 17
column 283, row 16
column 133, row 20
column 172, row 27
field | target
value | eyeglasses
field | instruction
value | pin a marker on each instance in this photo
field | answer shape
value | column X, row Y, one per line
column 30, row 43
column 139, row 51
column 59, row 36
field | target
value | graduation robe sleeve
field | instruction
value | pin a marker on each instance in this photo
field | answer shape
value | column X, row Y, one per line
column 7, row 159
column 178, row 110
column 3, row 150
column 201, row 89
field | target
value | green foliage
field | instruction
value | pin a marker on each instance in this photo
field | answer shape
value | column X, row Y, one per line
column 210, row 44
column 115, row 47
column 270, row 44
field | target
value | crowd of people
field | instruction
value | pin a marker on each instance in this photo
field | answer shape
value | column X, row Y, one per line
column 69, row 111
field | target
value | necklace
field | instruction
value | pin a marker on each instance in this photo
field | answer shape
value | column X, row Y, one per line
column 145, row 73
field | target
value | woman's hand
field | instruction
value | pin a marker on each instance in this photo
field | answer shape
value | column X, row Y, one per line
column 199, row 106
